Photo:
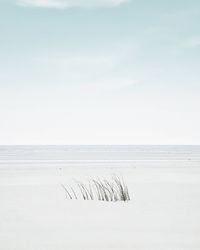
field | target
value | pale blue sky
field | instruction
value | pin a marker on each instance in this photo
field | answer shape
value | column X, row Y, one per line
column 99, row 72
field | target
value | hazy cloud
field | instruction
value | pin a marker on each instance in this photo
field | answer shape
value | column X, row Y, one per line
column 70, row 3
column 192, row 42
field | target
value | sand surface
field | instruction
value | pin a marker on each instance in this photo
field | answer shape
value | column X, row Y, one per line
column 163, row 214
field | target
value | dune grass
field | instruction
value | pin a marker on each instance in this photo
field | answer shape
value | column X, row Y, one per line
column 102, row 189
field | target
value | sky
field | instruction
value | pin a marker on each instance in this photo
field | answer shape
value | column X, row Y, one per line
column 99, row 72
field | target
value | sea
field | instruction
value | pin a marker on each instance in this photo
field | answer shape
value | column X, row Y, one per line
column 95, row 156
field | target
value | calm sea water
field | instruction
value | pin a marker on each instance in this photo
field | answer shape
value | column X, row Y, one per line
column 34, row 157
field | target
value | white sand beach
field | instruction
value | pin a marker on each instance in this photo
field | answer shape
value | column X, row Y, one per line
column 92, row 91
column 163, row 213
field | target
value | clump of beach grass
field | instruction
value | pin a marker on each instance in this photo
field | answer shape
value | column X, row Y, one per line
column 102, row 189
